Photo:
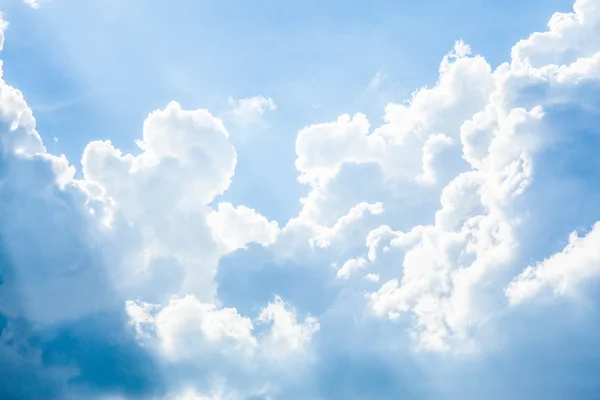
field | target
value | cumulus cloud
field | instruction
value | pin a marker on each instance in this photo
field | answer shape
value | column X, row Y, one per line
column 475, row 234
column 187, row 328
column 234, row 227
column 439, row 222
column 287, row 334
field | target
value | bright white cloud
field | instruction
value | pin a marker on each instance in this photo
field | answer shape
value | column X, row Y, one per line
column 234, row 227
column 325, row 235
column 287, row 334
column 397, row 146
column 475, row 139
column 187, row 328
column 562, row 272
column 186, row 161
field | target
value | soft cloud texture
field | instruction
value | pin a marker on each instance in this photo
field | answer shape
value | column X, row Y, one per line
column 35, row 4
column 251, row 109
column 562, row 272
column 421, row 253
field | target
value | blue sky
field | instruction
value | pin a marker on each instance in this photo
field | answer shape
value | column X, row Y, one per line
column 299, row 200
column 93, row 70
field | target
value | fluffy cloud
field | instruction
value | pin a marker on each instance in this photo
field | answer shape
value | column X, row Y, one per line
column 234, row 227
column 562, row 272
column 475, row 234
column 74, row 252
column 437, row 223
column 350, row 266
column 187, row 328
column 286, row 334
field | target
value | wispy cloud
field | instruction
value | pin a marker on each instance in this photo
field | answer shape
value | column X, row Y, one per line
column 251, row 109
column 35, row 4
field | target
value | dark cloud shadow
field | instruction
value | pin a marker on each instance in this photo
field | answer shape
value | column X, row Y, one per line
column 55, row 343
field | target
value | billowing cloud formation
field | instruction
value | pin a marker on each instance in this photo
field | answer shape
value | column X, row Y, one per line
column 458, row 239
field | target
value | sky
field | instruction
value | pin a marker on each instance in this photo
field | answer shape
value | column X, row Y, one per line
column 223, row 200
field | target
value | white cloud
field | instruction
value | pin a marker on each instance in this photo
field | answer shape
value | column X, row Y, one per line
column 489, row 120
column 287, row 334
column 35, row 4
column 372, row 278
column 188, row 328
column 347, row 141
column 562, row 272
column 251, row 109
column 186, row 161
column 234, row 227
column 570, row 36
column 325, row 235
column 418, row 142
column 442, row 204
column 39, row 195
column 351, row 266
column 431, row 150
column 472, row 236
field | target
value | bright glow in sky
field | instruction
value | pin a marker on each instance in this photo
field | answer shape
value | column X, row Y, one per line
column 223, row 200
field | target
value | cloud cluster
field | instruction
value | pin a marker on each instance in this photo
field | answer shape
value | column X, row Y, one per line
column 478, row 141
column 428, row 248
